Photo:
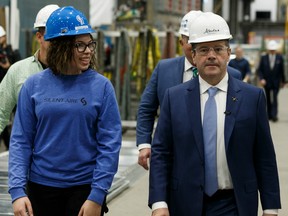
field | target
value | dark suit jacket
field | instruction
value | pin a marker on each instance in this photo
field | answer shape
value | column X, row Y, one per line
column 177, row 160
column 276, row 76
column 167, row 73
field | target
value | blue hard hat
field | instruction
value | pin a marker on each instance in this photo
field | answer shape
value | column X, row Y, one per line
column 66, row 21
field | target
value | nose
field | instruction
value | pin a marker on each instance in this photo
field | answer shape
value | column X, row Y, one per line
column 210, row 54
column 211, row 49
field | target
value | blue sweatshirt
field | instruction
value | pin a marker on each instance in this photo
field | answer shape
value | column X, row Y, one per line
column 66, row 132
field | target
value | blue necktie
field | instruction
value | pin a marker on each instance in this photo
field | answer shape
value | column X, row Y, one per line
column 210, row 143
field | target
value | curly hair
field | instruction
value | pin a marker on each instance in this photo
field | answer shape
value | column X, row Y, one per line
column 60, row 54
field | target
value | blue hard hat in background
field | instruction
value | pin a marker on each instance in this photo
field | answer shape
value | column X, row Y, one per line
column 66, row 21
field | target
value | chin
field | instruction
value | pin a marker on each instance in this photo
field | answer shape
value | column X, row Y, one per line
column 83, row 68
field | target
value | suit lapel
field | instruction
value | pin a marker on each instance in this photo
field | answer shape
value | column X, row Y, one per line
column 180, row 68
column 192, row 99
column 232, row 106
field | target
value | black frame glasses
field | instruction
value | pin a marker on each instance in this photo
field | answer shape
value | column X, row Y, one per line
column 81, row 47
column 204, row 51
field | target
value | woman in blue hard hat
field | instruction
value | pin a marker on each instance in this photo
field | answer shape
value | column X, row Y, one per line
column 66, row 135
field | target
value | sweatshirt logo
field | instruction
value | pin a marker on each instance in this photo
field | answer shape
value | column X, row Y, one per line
column 66, row 100
column 83, row 101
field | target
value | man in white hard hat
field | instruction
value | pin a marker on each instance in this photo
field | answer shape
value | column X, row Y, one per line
column 212, row 150
column 8, row 56
column 272, row 77
column 21, row 70
column 168, row 73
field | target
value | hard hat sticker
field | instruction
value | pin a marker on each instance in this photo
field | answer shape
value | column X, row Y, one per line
column 81, row 27
column 80, row 19
column 64, row 30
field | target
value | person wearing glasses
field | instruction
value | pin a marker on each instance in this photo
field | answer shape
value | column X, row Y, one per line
column 212, row 150
column 167, row 73
column 66, row 135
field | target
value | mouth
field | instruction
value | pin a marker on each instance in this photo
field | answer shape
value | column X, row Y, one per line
column 212, row 65
column 85, row 60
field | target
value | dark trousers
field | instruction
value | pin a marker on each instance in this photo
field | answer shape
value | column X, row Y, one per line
column 272, row 102
column 47, row 201
column 5, row 135
column 222, row 203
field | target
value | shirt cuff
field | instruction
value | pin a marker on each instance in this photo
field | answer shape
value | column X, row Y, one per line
column 159, row 205
column 144, row 145
column 271, row 211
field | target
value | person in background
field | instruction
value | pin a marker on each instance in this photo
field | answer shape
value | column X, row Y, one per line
column 8, row 56
column 272, row 77
column 21, row 70
column 168, row 73
column 66, row 135
column 240, row 63
column 212, row 150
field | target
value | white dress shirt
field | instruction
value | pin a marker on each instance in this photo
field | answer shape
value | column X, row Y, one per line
column 224, row 178
column 187, row 75
column 272, row 60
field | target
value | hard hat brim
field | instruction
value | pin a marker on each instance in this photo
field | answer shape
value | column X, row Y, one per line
column 210, row 38
column 184, row 33
column 48, row 37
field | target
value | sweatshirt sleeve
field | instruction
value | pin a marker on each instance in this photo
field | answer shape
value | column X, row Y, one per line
column 8, row 95
column 21, row 144
column 109, row 136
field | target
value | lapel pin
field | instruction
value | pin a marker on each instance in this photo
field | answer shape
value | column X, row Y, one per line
column 234, row 99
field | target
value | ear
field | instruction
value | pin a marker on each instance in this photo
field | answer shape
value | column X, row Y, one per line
column 39, row 36
column 228, row 54
column 193, row 53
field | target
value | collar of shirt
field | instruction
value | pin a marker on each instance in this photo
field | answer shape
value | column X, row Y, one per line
column 187, row 65
column 222, row 85
column 36, row 55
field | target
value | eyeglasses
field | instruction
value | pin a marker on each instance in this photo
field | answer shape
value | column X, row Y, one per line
column 203, row 51
column 81, row 47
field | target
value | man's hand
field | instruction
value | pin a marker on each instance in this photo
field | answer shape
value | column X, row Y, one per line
column 269, row 214
column 90, row 208
column 22, row 207
column 143, row 157
column 6, row 64
column 160, row 212
column 262, row 82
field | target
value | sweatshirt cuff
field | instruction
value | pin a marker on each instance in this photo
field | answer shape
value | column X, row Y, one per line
column 97, row 196
column 16, row 193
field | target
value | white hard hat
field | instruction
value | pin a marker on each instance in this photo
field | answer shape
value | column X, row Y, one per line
column 208, row 27
column 44, row 14
column 272, row 45
column 189, row 17
column 2, row 31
